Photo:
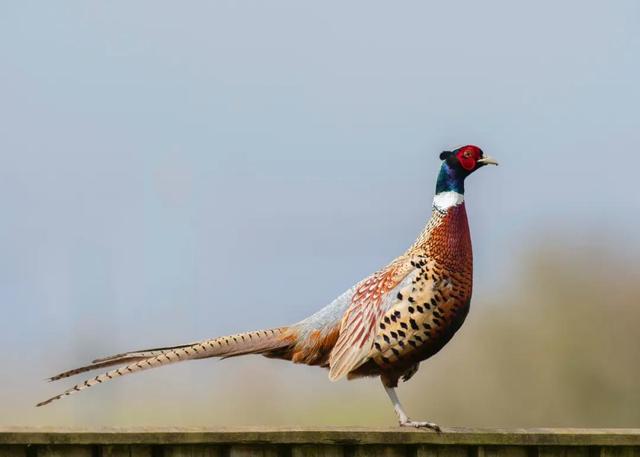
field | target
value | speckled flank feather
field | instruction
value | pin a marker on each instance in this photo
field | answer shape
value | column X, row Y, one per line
column 423, row 319
column 228, row 346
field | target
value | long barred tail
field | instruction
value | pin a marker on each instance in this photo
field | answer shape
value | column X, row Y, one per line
column 262, row 341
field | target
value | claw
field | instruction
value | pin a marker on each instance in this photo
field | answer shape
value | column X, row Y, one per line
column 416, row 424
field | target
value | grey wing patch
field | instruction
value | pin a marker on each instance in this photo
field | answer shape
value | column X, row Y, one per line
column 327, row 317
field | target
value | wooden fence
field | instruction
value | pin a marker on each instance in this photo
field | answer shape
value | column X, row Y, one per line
column 323, row 442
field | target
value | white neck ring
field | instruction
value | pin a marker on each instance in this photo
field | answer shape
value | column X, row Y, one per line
column 445, row 200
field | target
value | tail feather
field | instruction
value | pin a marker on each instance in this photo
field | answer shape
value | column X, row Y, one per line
column 226, row 346
column 143, row 353
column 118, row 359
column 93, row 366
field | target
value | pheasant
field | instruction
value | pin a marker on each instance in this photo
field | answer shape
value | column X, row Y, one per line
column 383, row 326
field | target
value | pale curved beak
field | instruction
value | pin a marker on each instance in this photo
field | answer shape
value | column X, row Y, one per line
column 486, row 160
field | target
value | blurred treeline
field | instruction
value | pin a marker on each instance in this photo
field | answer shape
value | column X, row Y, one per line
column 558, row 346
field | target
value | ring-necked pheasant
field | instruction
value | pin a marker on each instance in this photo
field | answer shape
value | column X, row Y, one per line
column 383, row 326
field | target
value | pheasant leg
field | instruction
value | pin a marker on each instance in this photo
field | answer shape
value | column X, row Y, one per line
column 402, row 416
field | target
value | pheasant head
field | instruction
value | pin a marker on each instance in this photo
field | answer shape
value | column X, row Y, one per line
column 457, row 165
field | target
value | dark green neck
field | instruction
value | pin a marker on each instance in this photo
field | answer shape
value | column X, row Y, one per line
column 449, row 180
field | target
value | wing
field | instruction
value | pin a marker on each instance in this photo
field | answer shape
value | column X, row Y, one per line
column 371, row 299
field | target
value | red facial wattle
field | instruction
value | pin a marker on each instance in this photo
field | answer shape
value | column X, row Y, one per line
column 468, row 157
column 468, row 163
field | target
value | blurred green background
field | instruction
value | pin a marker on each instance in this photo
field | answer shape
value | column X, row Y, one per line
column 172, row 172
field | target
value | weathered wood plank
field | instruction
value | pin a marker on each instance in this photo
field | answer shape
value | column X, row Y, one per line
column 329, row 435
column 620, row 451
column 563, row 451
column 253, row 451
column 317, row 450
column 67, row 450
column 505, row 451
column 443, row 451
column 378, row 450
column 123, row 450
column 192, row 450
column 13, row 451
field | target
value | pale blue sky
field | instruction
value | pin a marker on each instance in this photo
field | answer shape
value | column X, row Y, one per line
column 207, row 167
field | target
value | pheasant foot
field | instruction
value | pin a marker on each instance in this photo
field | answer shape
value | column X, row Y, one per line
column 403, row 419
column 421, row 424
